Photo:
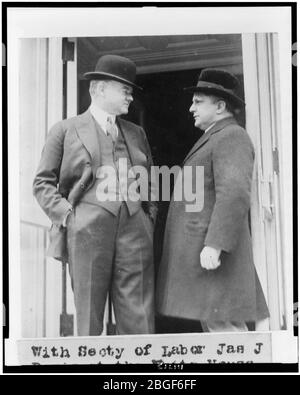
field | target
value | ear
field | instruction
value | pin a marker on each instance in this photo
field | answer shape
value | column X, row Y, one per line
column 221, row 106
column 100, row 88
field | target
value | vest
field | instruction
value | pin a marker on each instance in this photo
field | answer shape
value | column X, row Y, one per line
column 111, row 188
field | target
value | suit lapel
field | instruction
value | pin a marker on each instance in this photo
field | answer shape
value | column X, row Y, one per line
column 206, row 136
column 87, row 133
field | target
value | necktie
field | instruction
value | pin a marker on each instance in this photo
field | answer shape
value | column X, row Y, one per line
column 111, row 129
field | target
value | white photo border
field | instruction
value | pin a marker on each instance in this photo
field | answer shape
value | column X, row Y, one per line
column 80, row 21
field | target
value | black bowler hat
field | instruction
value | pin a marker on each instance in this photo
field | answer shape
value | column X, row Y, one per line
column 220, row 83
column 116, row 68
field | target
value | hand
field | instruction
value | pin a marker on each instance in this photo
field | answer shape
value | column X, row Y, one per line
column 209, row 258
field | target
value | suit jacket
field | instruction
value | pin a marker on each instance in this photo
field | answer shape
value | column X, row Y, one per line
column 232, row 291
column 68, row 167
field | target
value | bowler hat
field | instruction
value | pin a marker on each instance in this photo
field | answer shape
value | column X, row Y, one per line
column 220, row 83
column 116, row 68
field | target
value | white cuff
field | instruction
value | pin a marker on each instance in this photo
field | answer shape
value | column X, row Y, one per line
column 64, row 223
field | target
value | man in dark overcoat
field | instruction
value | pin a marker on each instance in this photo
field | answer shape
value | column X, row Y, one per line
column 102, row 225
column 207, row 270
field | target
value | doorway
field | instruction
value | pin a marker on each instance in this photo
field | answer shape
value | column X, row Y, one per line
column 162, row 108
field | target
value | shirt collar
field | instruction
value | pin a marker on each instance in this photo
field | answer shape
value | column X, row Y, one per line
column 210, row 126
column 213, row 124
column 101, row 116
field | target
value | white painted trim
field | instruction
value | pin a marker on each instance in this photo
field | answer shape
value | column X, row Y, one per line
column 253, row 129
column 285, row 141
column 263, row 122
column 55, row 82
column 72, row 91
column 13, row 71
column 33, row 215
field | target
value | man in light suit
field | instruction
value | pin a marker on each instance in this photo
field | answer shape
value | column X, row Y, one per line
column 207, row 270
column 99, row 225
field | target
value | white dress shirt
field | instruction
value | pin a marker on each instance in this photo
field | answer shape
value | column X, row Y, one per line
column 101, row 116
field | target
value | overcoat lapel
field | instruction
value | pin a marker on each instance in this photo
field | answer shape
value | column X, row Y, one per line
column 206, row 136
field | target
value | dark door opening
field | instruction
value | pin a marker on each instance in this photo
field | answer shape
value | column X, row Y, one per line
column 171, row 134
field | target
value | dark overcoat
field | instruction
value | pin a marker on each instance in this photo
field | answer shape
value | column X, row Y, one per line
column 232, row 291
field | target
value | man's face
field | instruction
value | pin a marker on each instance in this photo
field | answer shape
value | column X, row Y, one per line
column 116, row 97
column 204, row 110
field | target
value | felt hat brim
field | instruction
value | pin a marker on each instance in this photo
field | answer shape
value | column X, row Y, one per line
column 219, row 92
column 96, row 75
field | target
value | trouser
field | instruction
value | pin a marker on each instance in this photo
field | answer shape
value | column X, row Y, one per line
column 223, row 326
column 113, row 254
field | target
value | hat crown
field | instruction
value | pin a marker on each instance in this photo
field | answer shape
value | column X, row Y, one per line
column 118, row 66
column 219, row 83
column 219, row 77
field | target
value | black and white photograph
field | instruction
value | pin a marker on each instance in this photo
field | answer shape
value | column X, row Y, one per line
column 150, row 186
